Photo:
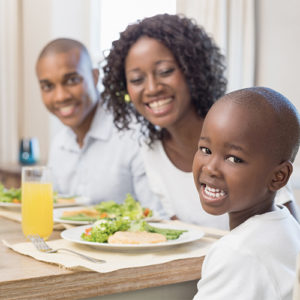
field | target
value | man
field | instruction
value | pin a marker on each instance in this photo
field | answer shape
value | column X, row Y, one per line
column 88, row 157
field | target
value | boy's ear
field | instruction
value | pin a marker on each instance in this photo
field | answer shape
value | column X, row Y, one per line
column 281, row 176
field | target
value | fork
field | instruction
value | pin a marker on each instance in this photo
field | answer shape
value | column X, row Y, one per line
column 42, row 246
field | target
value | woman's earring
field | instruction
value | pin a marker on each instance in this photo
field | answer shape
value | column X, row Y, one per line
column 127, row 98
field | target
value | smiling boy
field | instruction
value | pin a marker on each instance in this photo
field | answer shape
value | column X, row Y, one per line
column 247, row 145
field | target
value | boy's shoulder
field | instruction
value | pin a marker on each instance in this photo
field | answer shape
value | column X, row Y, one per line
column 276, row 229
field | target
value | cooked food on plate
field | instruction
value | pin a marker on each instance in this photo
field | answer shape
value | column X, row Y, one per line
column 120, row 230
column 131, row 209
column 138, row 237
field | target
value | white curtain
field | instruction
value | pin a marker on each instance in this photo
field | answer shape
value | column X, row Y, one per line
column 10, row 89
column 232, row 25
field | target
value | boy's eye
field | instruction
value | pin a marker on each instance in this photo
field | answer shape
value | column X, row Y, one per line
column 235, row 159
column 205, row 150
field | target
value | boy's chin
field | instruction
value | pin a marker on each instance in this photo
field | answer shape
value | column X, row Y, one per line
column 216, row 211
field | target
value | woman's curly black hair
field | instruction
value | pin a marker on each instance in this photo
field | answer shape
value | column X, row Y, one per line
column 196, row 53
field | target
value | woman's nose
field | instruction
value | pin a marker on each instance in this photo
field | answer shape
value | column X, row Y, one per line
column 152, row 85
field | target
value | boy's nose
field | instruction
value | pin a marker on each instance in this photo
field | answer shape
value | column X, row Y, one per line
column 211, row 168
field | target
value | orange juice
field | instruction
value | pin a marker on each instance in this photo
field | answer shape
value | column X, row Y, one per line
column 37, row 208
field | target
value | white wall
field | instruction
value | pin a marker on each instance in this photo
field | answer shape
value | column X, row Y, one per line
column 43, row 21
column 278, row 52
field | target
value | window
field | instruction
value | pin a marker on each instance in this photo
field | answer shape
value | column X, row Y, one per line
column 115, row 15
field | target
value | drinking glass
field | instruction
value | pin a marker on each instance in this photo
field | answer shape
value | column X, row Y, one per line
column 37, row 201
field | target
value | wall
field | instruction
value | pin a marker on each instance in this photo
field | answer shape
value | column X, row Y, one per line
column 43, row 21
column 278, row 48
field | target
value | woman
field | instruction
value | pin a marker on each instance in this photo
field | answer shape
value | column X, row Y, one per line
column 172, row 72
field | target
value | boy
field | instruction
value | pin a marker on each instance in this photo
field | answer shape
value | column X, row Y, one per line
column 247, row 145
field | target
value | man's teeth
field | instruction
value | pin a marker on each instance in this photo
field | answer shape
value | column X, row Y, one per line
column 160, row 103
column 212, row 192
column 66, row 109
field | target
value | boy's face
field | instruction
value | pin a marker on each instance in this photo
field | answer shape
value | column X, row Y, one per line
column 68, row 86
column 232, row 166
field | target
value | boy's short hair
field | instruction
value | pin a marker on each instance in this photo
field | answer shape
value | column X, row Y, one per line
column 280, row 115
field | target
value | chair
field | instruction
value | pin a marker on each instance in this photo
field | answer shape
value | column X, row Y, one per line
column 296, row 293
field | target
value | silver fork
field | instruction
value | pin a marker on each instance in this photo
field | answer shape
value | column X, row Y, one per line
column 42, row 246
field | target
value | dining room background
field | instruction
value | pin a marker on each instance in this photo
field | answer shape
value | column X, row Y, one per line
column 259, row 38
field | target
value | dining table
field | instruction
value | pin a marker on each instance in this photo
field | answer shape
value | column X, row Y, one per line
column 23, row 277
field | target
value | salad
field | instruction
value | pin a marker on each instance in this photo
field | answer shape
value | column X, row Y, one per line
column 103, row 229
column 130, row 209
column 12, row 195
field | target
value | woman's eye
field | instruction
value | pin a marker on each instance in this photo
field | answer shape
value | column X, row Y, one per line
column 205, row 150
column 136, row 81
column 235, row 159
column 166, row 72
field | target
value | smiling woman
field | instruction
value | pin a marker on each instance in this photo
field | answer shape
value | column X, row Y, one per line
column 173, row 72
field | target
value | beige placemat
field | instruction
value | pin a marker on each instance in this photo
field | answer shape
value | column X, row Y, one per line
column 11, row 214
column 15, row 215
column 115, row 260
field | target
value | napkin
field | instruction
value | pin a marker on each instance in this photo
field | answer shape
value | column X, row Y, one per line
column 115, row 259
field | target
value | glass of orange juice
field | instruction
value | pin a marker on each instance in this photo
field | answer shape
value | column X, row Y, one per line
column 37, row 201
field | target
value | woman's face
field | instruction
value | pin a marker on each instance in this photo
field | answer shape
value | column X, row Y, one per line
column 155, row 83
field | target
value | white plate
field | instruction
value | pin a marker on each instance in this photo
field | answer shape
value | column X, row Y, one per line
column 58, row 212
column 78, row 201
column 73, row 235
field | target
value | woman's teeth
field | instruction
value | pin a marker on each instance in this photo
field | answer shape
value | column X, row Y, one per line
column 159, row 103
column 212, row 192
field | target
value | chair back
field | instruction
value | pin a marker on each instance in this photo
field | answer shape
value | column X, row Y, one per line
column 296, row 293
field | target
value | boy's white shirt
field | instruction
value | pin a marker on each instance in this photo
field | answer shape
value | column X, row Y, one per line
column 177, row 191
column 256, row 260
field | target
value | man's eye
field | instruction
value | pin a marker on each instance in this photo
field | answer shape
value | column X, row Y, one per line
column 73, row 80
column 205, row 150
column 46, row 87
column 235, row 159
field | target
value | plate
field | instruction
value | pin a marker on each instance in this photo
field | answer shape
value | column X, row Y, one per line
column 73, row 235
column 58, row 212
column 78, row 201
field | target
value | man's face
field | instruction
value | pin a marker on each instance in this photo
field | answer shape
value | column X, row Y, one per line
column 233, row 167
column 68, row 86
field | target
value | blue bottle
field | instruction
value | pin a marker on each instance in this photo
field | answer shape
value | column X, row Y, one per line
column 29, row 151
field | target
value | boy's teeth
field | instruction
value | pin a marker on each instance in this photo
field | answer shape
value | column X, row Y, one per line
column 212, row 192
column 160, row 103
